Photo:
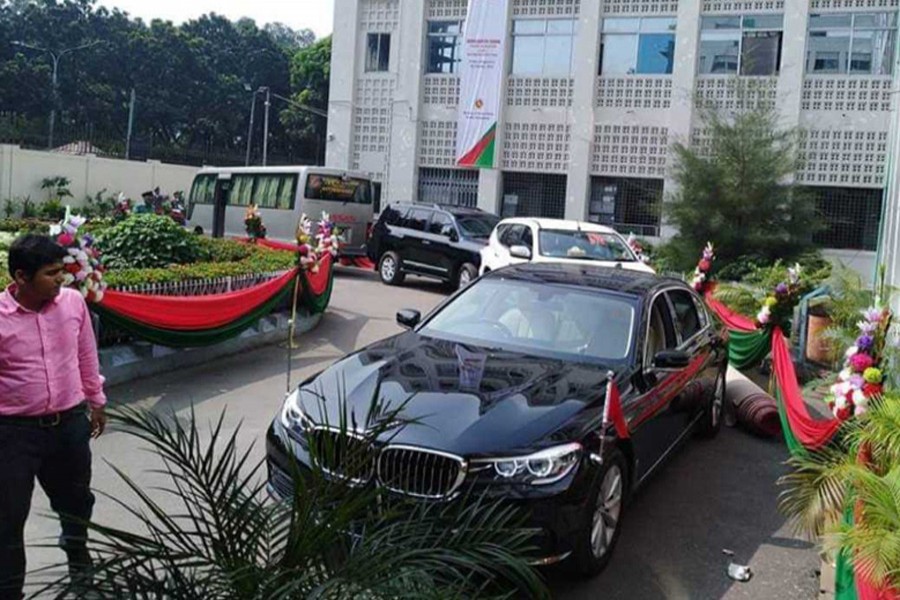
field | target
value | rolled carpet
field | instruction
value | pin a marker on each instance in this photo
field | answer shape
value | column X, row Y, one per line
column 750, row 406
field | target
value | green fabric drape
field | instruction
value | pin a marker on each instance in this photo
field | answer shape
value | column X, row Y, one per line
column 316, row 304
column 844, row 577
column 748, row 349
column 192, row 339
column 790, row 440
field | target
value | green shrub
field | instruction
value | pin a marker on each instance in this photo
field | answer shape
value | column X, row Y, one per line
column 218, row 250
column 24, row 226
column 10, row 208
column 52, row 210
column 29, row 210
column 146, row 242
column 258, row 260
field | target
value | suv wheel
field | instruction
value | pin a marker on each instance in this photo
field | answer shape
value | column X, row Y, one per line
column 466, row 274
column 389, row 269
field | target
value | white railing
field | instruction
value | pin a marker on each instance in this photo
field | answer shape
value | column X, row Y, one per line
column 202, row 287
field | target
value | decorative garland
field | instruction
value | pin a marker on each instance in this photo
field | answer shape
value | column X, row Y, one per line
column 84, row 269
column 312, row 248
column 702, row 281
column 862, row 377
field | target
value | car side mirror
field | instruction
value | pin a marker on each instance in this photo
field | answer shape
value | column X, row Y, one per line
column 671, row 359
column 520, row 252
column 454, row 237
column 408, row 318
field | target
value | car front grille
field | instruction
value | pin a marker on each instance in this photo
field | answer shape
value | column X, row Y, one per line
column 420, row 472
column 348, row 457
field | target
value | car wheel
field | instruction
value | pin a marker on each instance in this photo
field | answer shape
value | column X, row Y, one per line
column 389, row 269
column 712, row 418
column 601, row 526
column 466, row 274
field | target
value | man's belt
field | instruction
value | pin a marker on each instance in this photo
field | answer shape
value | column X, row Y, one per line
column 44, row 421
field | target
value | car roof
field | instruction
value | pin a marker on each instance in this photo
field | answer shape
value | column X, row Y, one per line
column 454, row 210
column 635, row 283
column 559, row 224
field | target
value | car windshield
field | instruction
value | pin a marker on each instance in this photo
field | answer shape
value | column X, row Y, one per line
column 477, row 226
column 558, row 321
column 584, row 245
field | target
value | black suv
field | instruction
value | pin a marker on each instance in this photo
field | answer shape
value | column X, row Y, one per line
column 443, row 242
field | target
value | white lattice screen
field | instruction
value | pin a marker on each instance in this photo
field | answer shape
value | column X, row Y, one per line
column 634, row 92
column 640, row 7
column 843, row 157
column 540, row 92
column 740, row 6
column 372, row 122
column 731, row 93
column 546, row 8
column 446, row 9
column 441, row 90
column 536, row 147
column 852, row 4
column 437, row 144
column 630, row 150
column 847, row 94
column 381, row 16
column 700, row 141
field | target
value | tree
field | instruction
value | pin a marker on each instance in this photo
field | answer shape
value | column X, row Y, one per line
column 289, row 39
column 738, row 193
column 310, row 80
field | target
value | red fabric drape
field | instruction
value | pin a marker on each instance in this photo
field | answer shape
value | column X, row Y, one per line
column 731, row 319
column 357, row 261
column 195, row 313
column 276, row 245
column 318, row 282
column 812, row 433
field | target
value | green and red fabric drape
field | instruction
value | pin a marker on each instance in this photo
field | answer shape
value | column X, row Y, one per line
column 194, row 321
column 748, row 346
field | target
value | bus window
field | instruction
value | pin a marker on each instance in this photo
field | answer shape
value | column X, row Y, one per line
column 338, row 189
column 241, row 190
column 204, row 189
column 275, row 191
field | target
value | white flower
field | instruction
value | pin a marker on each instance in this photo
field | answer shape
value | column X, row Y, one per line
column 845, row 374
column 55, row 230
column 840, row 402
column 835, row 389
column 860, row 409
column 763, row 317
column 851, row 351
column 859, row 397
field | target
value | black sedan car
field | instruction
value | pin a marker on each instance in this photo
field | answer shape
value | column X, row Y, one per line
column 504, row 385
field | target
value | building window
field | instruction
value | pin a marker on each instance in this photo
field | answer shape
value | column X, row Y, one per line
column 637, row 46
column 543, row 47
column 748, row 45
column 444, row 49
column 627, row 204
column 851, row 217
column 855, row 43
column 378, row 52
column 533, row 195
column 451, row 187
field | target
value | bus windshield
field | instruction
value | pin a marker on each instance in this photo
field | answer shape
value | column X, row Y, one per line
column 338, row 189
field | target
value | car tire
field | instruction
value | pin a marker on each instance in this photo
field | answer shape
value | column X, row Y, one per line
column 466, row 274
column 594, row 544
column 389, row 269
column 711, row 422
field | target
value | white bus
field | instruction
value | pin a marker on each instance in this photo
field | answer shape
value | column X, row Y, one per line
column 220, row 196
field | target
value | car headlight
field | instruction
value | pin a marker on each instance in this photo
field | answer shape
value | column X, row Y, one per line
column 541, row 468
column 292, row 416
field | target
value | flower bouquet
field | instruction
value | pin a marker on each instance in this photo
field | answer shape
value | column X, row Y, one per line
column 778, row 307
column 253, row 223
column 84, row 269
column 314, row 246
column 862, row 377
column 638, row 249
column 702, row 281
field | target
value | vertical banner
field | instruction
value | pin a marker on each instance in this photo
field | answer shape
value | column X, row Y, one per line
column 481, row 80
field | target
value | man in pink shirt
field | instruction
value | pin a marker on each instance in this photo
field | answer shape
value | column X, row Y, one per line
column 51, row 404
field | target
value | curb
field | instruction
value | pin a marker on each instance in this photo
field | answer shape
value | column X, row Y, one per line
column 826, row 581
column 128, row 362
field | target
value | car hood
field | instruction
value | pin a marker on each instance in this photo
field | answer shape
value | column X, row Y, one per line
column 459, row 398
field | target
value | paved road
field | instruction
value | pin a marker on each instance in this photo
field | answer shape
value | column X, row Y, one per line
column 711, row 496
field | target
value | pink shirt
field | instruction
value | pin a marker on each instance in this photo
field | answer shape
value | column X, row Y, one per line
column 48, row 359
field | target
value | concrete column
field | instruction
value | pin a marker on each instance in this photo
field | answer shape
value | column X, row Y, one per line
column 581, row 117
column 889, row 240
column 793, row 62
column 684, row 74
column 342, row 87
column 406, row 107
column 490, row 190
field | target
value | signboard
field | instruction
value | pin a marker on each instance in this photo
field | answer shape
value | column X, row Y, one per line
column 342, row 189
column 481, row 80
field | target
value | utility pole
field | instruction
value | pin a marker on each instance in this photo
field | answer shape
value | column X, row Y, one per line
column 266, row 128
column 250, row 129
column 55, row 56
column 130, row 126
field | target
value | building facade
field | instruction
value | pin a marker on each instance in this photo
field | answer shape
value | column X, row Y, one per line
column 598, row 91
